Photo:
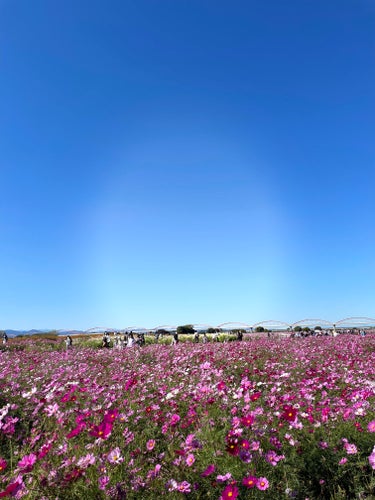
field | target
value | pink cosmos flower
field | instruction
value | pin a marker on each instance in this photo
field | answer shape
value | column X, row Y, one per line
column 255, row 445
column 87, row 460
column 262, row 483
column 222, row 478
column 190, row 459
column 245, row 445
column 208, row 471
column 155, row 472
column 371, row 426
column 249, row 481
column 114, row 456
column 230, row 492
column 102, row 431
column 175, row 419
column 77, row 430
column 26, row 464
column 247, row 420
column 343, row 461
column 15, row 489
column 150, row 445
column 111, row 415
column 172, row 485
column 371, row 458
column 52, row 409
column 289, row 414
column 351, row 449
column 184, row 487
column 103, row 481
column 221, row 386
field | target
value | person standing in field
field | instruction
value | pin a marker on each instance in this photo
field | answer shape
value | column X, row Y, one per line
column 68, row 342
column 106, row 340
column 131, row 340
column 175, row 338
column 5, row 338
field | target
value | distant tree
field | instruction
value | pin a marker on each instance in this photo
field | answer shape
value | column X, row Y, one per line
column 185, row 329
column 318, row 328
column 260, row 329
column 161, row 331
column 306, row 329
column 297, row 328
column 213, row 330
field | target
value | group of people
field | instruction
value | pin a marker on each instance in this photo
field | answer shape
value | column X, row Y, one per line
column 196, row 338
column 328, row 333
column 121, row 341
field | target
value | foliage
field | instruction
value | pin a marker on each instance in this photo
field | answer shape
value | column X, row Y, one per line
column 265, row 419
column 185, row 329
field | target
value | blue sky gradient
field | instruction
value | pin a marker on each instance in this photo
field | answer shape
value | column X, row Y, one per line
column 164, row 162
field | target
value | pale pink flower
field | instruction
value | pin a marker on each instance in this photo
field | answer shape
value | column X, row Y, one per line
column 114, row 456
column 84, row 462
column 184, row 487
column 150, row 445
column 225, row 477
column 351, row 449
column 52, row 409
column 371, row 426
column 190, row 459
column 262, row 483
column 103, row 481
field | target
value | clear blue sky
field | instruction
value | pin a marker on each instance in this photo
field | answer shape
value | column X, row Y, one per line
column 173, row 161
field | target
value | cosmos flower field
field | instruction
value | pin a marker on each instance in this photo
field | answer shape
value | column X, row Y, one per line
column 263, row 418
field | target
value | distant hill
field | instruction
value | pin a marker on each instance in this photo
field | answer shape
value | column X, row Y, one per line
column 16, row 333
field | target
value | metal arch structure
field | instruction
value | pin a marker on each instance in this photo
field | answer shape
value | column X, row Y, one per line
column 134, row 329
column 355, row 322
column 100, row 329
column 313, row 322
column 234, row 325
column 272, row 324
column 166, row 327
column 201, row 327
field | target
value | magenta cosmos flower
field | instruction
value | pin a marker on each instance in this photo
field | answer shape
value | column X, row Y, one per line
column 247, row 420
column 230, row 492
column 371, row 426
column 249, row 481
column 289, row 414
column 26, row 464
column 210, row 470
column 102, row 431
